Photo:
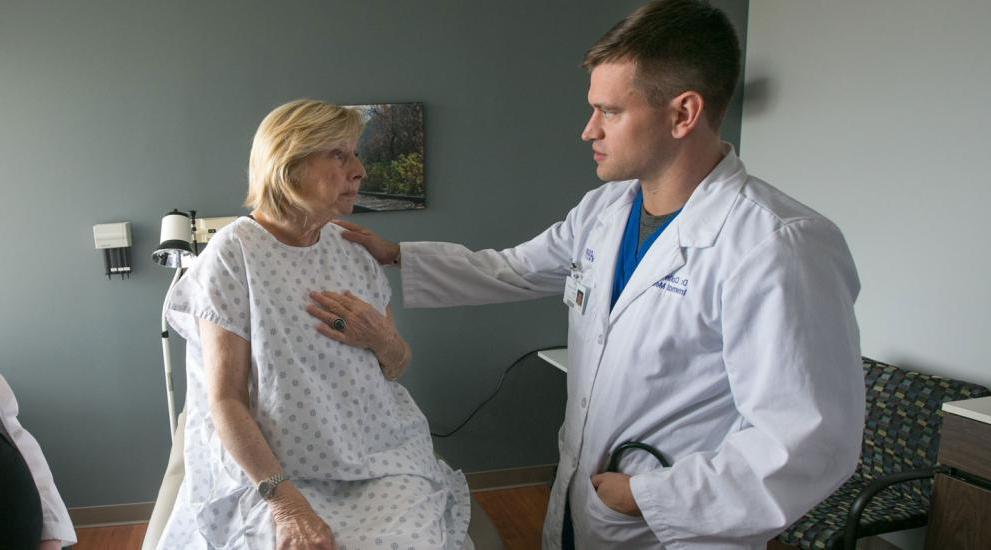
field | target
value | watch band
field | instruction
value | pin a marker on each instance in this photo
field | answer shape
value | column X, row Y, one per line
column 266, row 487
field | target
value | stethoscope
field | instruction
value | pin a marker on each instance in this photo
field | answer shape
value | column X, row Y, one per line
column 618, row 453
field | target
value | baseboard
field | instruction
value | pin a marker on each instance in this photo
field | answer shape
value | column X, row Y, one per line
column 875, row 543
column 511, row 477
column 139, row 512
column 114, row 514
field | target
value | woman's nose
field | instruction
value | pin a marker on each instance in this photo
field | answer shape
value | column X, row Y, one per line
column 359, row 171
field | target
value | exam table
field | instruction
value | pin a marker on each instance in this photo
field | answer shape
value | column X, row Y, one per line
column 481, row 531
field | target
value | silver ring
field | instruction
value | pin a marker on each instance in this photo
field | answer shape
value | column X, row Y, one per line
column 339, row 324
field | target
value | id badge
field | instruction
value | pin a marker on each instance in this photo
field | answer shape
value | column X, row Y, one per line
column 575, row 293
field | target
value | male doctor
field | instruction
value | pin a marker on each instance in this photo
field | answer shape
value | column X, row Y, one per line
column 717, row 320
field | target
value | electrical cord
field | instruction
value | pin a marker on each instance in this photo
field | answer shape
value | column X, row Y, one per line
column 502, row 379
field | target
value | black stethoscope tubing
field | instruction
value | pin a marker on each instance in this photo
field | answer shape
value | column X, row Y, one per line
column 618, row 453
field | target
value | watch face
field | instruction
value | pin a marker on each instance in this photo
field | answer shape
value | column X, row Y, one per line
column 265, row 489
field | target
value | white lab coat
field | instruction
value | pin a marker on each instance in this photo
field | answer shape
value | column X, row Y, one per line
column 56, row 524
column 733, row 349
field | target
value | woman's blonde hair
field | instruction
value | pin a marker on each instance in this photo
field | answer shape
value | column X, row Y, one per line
column 284, row 139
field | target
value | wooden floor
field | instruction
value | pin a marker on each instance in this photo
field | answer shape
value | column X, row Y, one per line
column 517, row 513
column 119, row 537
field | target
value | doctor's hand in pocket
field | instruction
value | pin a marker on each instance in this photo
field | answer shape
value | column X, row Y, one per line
column 614, row 491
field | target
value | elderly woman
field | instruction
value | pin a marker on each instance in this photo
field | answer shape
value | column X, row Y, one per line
column 295, row 440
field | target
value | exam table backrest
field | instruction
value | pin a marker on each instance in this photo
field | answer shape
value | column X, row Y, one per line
column 174, row 473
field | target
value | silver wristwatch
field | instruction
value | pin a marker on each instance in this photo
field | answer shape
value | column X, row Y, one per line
column 266, row 487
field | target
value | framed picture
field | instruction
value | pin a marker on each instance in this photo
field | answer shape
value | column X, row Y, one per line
column 391, row 149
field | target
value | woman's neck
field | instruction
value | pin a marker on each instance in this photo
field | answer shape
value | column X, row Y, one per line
column 295, row 231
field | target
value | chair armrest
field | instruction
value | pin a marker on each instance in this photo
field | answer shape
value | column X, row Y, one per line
column 868, row 493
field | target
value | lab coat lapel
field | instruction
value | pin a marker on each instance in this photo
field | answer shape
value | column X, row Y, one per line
column 609, row 232
column 697, row 226
column 664, row 257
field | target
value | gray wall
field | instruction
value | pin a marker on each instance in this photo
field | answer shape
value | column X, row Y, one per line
column 876, row 113
column 120, row 111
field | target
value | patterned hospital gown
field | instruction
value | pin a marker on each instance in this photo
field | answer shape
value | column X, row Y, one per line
column 354, row 443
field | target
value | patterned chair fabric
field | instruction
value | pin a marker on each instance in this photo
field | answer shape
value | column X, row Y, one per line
column 901, row 433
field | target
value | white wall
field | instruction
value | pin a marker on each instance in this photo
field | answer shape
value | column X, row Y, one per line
column 876, row 114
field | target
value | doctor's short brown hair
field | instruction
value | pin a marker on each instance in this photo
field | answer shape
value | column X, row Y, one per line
column 285, row 138
column 677, row 46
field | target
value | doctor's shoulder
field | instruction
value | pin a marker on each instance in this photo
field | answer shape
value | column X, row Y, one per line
column 766, row 218
column 776, row 206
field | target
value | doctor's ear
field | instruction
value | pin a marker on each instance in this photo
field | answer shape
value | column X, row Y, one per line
column 687, row 112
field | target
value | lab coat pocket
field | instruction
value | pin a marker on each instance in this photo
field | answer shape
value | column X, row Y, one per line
column 601, row 511
column 609, row 529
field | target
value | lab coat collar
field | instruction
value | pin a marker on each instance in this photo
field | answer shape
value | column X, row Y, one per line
column 697, row 226
column 707, row 208
column 705, row 213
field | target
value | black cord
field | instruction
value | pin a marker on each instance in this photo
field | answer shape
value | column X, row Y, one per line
column 496, row 392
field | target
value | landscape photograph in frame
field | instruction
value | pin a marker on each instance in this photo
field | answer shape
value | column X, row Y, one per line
column 391, row 148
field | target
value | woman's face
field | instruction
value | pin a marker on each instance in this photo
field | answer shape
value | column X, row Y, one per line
column 330, row 181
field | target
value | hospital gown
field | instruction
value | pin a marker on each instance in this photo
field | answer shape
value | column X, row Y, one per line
column 354, row 443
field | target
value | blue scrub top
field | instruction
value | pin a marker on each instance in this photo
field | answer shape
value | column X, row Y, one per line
column 630, row 253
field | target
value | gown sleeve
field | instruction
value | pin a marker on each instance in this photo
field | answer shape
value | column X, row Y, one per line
column 215, row 289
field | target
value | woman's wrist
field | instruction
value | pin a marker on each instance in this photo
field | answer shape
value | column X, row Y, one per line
column 287, row 501
column 393, row 355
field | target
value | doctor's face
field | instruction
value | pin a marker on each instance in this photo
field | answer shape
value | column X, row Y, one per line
column 330, row 181
column 630, row 137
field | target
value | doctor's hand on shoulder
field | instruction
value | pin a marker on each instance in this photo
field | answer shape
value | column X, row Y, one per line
column 385, row 252
column 614, row 491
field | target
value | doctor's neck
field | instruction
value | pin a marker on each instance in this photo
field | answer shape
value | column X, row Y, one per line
column 677, row 178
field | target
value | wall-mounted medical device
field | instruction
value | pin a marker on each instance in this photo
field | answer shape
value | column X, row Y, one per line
column 115, row 241
column 183, row 234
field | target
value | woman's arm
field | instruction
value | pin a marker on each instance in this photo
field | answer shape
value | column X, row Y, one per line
column 395, row 354
column 227, row 362
column 364, row 327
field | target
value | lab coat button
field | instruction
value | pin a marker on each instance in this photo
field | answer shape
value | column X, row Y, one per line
column 599, row 339
column 584, row 402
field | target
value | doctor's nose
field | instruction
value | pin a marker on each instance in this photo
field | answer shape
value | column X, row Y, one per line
column 593, row 130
